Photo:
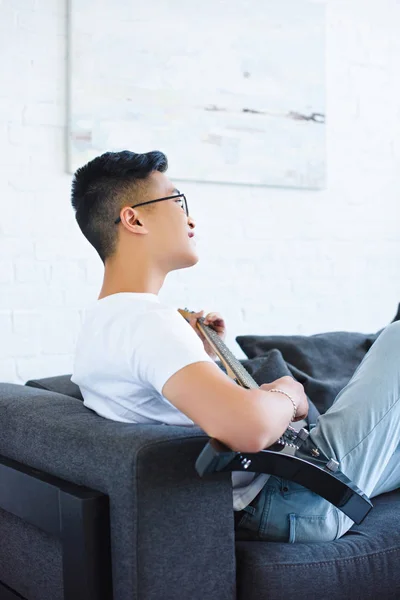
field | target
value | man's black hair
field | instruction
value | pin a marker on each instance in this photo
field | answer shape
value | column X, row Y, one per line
column 100, row 188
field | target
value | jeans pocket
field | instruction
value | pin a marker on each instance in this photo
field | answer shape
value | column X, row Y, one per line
column 313, row 528
column 245, row 517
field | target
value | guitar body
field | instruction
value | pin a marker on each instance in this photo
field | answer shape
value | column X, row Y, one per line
column 293, row 456
column 299, row 466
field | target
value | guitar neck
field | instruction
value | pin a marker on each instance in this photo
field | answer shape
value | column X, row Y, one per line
column 230, row 361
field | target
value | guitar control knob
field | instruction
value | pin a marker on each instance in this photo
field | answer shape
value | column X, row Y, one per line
column 303, row 434
column 332, row 465
column 246, row 462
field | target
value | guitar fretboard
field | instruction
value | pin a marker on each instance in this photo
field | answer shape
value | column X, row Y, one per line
column 226, row 355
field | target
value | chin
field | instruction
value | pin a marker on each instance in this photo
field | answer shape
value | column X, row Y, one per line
column 192, row 259
column 189, row 260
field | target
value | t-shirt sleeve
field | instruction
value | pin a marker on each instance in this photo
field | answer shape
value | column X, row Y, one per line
column 164, row 343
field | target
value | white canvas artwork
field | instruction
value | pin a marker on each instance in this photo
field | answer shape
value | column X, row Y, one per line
column 232, row 91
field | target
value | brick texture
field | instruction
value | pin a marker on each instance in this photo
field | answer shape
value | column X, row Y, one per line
column 272, row 260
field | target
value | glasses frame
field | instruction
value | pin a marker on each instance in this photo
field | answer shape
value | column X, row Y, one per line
column 160, row 200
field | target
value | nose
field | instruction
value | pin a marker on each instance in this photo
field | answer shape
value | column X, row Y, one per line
column 191, row 223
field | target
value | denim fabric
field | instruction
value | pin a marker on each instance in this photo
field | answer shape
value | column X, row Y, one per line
column 362, row 431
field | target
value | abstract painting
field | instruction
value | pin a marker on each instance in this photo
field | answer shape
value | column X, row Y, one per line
column 232, row 91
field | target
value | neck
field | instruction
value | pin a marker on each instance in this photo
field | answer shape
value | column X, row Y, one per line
column 122, row 276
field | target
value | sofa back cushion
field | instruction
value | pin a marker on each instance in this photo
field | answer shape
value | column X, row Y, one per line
column 324, row 362
column 61, row 384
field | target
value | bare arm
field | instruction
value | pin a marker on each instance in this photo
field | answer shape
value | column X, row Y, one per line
column 246, row 420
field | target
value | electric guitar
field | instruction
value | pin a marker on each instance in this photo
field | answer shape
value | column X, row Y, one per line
column 293, row 456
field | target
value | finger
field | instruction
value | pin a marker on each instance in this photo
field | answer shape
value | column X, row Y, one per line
column 214, row 318
column 196, row 315
column 193, row 322
column 218, row 325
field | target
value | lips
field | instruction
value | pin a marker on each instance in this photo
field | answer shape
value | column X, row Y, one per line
column 191, row 234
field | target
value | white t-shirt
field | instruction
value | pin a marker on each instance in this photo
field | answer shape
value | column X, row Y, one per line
column 129, row 346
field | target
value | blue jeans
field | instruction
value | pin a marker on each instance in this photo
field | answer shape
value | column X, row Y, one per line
column 362, row 431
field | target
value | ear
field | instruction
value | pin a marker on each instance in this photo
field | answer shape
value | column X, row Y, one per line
column 130, row 220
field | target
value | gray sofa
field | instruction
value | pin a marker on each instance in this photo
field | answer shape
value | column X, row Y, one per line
column 138, row 523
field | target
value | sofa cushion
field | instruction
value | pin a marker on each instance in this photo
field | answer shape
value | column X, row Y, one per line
column 61, row 384
column 364, row 560
column 324, row 362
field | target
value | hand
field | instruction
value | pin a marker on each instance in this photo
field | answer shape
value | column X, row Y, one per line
column 213, row 320
column 295, row 389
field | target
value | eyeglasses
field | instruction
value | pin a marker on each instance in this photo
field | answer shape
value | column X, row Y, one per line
column 183, row 204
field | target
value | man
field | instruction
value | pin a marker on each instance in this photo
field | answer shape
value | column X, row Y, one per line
column 137, row 360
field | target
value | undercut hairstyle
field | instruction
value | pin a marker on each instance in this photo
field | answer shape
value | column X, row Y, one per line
column 103, row 186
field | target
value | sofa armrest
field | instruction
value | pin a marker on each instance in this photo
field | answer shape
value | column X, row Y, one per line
column 172, row 532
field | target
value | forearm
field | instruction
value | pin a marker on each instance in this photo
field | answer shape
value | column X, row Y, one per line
column 274, row 412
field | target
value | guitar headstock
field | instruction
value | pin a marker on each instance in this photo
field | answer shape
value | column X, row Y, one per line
column 185, row 312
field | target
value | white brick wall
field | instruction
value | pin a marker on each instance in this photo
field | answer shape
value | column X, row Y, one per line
column 272, row 260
